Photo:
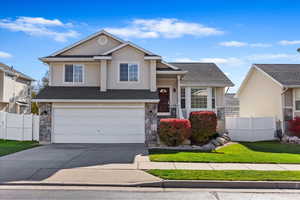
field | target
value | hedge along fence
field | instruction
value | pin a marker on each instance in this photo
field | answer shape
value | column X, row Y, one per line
column 173, row 131
column 204, row 126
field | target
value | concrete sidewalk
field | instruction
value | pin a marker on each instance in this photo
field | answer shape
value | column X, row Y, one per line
column 143, row 163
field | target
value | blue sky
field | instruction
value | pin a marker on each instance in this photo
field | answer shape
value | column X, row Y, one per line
column 233, row 34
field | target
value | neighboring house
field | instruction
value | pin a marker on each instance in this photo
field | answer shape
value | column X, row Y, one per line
column 15, row 90
column 106, row 90
column 232, row 105
column 271, row 90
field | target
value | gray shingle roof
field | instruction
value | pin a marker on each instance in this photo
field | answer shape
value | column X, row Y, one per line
column 286, row 74
column 11, row 70
column 94, row 93
column 206, row 74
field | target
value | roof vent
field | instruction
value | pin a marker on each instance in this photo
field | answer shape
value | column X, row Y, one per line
column 102, row 40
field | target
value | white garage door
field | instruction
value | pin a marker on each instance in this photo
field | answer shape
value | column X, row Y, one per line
column 99, row 125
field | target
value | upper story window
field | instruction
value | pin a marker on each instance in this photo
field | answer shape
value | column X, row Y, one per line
column 129, row 72
column 73, row 73
column 199, row 97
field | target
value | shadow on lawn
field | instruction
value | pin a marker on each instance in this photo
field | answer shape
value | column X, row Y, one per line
column 272, row 147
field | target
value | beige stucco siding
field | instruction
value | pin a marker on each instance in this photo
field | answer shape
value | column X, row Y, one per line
column 172, row 83
column 92, row 47
column 128, row 54
column 261, row 97
column 13, row 89
column 91, row 74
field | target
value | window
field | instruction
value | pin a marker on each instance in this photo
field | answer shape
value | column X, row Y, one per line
column 213, row 98
column 128, row 72
column 199, row 97
column 182, row 98
column 297, row 99
column 73, row 73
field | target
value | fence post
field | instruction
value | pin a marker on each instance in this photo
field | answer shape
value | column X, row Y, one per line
column 5, row 125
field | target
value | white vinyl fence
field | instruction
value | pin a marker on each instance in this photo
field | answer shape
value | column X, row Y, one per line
column 20, row 127
column 251, row 129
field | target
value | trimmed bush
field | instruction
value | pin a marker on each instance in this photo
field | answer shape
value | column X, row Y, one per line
column 173, row 131
column 204, row 126
column 294, row 126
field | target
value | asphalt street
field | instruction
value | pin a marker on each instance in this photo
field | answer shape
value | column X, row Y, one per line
column 58, row 193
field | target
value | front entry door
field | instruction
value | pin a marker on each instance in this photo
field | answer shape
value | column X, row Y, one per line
column 164, row 98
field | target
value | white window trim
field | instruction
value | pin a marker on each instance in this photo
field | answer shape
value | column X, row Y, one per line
column 170, row 98
column 208, row 107
column 294, row 101
column 138, row 72
column 74, row 83
column 188, row 100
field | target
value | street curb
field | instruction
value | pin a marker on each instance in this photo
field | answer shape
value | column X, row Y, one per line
column 232, row 184
column 182, row 184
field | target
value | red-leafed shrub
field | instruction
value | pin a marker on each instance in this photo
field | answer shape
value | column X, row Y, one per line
column 173, row 132
column 294, row 126
column 204, row 126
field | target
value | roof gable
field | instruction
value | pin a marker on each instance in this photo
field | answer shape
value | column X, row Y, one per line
column 117, row 41
column 287, row 75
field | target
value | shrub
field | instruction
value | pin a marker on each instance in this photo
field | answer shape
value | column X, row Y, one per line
column 294, row 126
column 204, row 126
column 174, row 131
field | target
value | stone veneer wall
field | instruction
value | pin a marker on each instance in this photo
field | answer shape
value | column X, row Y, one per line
column 45, row 110
column 221, row 119
column 151, row 124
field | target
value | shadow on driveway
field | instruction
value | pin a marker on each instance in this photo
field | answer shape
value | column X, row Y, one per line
column 42, row 162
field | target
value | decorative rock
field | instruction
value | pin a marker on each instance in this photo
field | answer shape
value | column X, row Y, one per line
column 221, row 140
column 215, row 142
column 208, row 147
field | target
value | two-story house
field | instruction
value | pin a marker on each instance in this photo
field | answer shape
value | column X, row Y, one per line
column 103, row 89
column 15, row 90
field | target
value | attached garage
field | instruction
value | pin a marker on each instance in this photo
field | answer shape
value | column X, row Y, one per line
column 87, row 115
column 98, row 124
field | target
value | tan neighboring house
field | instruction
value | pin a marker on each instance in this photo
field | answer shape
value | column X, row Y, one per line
column 103, row 89
column 15, row 90
column 271, row 90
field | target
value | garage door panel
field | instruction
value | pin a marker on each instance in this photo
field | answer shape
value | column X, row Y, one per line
column 98, row 125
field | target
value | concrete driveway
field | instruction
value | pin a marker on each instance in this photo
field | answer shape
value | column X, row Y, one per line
column 62, row 161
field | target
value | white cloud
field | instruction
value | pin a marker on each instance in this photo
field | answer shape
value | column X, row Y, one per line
column 185, row 60
column 288, row 42
column 38, row 26
column 260, row 45
column 224, row 61
column 5, row 54
column 274, row 56
column 165, row 27
column 233, row 44
column 243, row 44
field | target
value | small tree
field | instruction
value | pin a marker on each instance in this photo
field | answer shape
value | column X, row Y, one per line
column 34, row 106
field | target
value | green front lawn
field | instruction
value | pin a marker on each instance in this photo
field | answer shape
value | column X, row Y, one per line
column 11, row 146
column 244, row 152
column 229, row 175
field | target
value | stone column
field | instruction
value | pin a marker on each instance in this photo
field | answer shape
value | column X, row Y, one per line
column 45, row 110
column 151, row 124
